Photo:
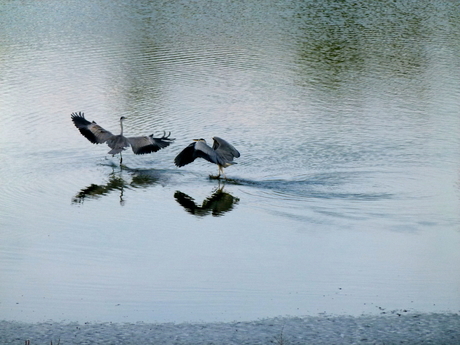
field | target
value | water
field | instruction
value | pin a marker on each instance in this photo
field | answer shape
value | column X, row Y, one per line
column 345, row 199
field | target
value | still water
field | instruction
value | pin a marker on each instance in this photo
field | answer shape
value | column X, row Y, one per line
column 346, row 197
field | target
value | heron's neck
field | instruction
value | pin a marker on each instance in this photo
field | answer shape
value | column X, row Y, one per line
column 121, row 125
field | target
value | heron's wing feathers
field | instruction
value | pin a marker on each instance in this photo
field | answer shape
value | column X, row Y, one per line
column 196, row 150
column 202, row 150
column 186, row 156
column 90, row 130
column 224, row 149
column 148, row 144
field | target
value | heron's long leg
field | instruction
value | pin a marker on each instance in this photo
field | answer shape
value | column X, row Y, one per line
column 221, row 172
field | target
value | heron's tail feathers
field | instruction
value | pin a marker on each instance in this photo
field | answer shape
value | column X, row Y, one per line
column 227, row 164
column 115, row 151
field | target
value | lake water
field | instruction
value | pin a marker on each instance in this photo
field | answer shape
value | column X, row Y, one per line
column 346, row 197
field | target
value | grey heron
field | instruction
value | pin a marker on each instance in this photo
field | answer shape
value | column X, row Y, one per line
column 221, row 153
column 98, row 135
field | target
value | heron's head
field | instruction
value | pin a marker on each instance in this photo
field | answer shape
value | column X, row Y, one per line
column 201, row 139
column 122, row 118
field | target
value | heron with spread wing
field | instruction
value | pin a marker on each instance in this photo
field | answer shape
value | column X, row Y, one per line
column 221, row 153
column 98, row 135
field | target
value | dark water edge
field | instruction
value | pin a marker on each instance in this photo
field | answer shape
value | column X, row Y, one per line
column 395, row 328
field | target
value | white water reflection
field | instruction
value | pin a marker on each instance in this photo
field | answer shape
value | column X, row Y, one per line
column 345, row 198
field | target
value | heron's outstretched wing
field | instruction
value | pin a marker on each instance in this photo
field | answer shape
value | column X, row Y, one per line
column 149, row 144
column 224, row 149
column 196, row 150
column 90, row 130
column 203, row 150
column 186, row 156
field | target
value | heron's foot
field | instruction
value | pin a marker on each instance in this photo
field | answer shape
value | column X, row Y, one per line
column 215, row 177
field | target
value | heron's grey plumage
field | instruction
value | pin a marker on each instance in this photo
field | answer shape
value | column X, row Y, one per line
column 149, row 144
column 225, row 150
column 90, row 130
column 98, row 135
column 221, row 153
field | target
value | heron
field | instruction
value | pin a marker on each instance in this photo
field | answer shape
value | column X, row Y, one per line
column 98, row 135
column 221, row 153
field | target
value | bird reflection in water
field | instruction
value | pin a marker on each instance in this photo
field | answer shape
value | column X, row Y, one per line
column 116, row 182
column 218, row 203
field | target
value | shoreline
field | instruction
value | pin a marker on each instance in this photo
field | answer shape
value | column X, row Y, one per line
column 411, row 328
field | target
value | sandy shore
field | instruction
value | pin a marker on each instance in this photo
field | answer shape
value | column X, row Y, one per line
column 396, row 328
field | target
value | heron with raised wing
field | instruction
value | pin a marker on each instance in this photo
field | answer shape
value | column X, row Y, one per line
column 118, row 143
column 221, row 153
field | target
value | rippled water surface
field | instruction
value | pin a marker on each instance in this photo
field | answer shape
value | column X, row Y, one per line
column 345, row 199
